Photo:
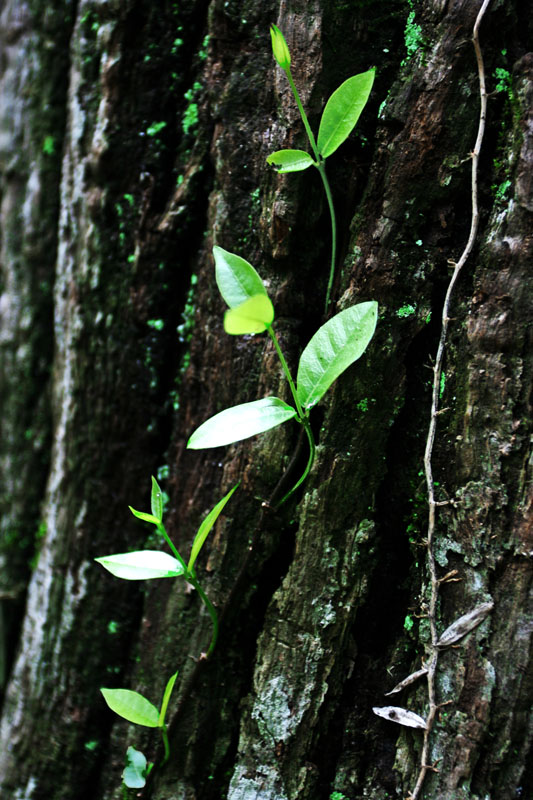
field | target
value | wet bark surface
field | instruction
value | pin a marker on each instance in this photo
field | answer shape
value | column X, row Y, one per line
column 134, row 137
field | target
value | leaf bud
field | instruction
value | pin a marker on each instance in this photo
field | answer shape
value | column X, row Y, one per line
column 279, row 48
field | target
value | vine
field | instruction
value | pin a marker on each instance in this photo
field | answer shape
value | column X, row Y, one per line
column 467, row 622
column 331, row 350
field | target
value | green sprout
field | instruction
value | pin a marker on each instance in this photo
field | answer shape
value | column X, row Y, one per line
column 145, row 565
column 339, row 118
column 134, row 707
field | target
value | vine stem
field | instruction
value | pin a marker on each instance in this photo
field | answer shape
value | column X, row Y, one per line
column 166, row 745
column 320, row 165
column 210, row 610
column 302, row 417
column 287, row 372
column 194, row 582
column 322, row 171
column 162, row 530
column 303, row 115
column 310, row 461
column 437, row 372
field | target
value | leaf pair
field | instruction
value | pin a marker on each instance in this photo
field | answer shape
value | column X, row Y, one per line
column 339, row 118
column 332, row 349
column 156, row 503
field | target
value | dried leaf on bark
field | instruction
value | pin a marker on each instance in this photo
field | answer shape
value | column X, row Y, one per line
column 401, row 716
column 414, row 676
column 465, row 624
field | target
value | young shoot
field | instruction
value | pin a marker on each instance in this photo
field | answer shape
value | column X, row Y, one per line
column 147, row 564
column 332, row 349
column 134, row 707
column 143, row 565
column 339, row 118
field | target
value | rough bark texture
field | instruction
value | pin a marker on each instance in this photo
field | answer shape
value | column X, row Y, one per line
column 133, row 137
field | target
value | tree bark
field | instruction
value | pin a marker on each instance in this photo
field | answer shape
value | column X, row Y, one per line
column 134, row 138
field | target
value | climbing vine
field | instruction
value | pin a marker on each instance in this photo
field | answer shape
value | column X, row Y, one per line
column 467, row 622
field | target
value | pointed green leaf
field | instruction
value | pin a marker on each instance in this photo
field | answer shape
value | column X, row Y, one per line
column 237, row 280
column 336, row 345
column 142, row 565
column 134, row 773
column 206, row 526
column 132, row 706
column 342, row 111
column 166, row 697
column 252, row 316
column 240, row 422
column 157, row 500
column 144, row 516
column 290, row 160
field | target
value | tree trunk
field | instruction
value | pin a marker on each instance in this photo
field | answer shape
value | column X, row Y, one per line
column 134, row 138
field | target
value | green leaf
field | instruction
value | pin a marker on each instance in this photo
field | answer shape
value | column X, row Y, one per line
column 336, row 345
column 240, row 422
column 134, row 773
column 252, row 316
column 157, row 500
column 141, row 565
column 166, row 698
column 132, row 706
column 237, row 280
column 145, row 517
column 290, row 160
column 342, row 111
column 206, row 526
